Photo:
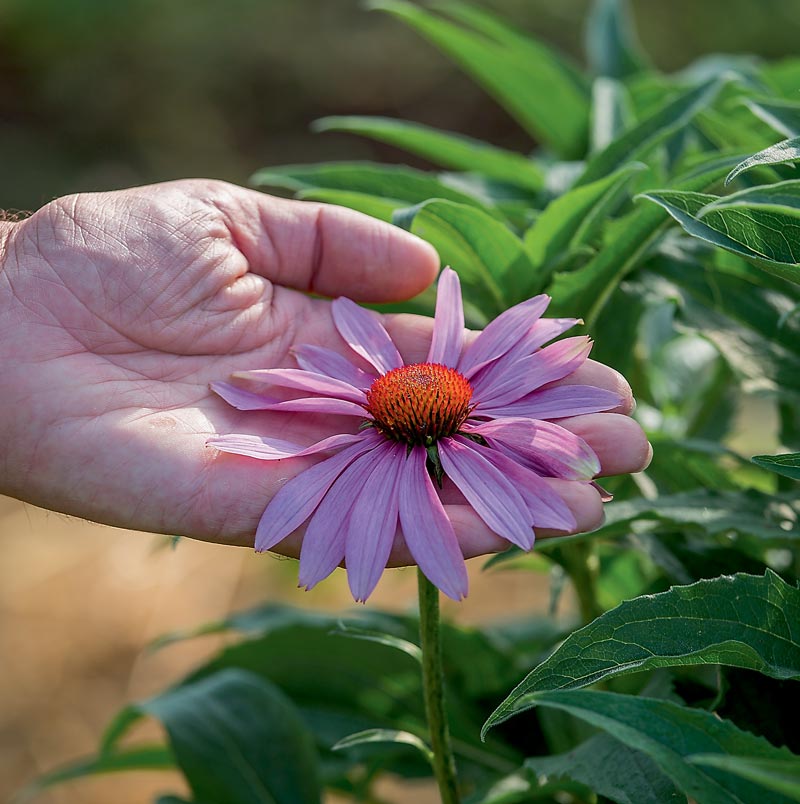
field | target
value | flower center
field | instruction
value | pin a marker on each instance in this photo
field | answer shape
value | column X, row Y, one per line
column 420, row 403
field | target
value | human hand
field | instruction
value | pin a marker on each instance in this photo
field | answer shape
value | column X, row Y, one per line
column 118, row 309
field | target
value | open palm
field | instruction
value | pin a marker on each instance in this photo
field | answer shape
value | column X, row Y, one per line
column 117, row 310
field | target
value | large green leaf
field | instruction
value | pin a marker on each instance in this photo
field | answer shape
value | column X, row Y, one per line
column 445, row 148
column 787, row 465
column 398, row 184
column 611, row 769
column 668, row 733
column 143, row 757
column 585, row 291
column 783, row 116
column 612, row 46
column 661, row 124
column 612, row 112
column 742, row 620
column 781, row 153
column 759, row 224
column 492, row 262
column 534, row 84
column 777, row 775
column 238, row 739
column 575, row 218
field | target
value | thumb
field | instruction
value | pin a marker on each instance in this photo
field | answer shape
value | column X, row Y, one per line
column 326, row 249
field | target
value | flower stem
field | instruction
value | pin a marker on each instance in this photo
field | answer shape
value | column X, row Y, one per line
column 577, row 561
column 444, row 766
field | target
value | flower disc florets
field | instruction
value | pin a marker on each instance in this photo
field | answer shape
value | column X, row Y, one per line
column 420, row 403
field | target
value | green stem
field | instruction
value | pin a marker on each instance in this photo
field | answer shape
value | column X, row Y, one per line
column 444, row 766
column 577, row 561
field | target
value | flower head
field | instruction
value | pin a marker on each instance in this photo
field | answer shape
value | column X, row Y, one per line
column 478, row 413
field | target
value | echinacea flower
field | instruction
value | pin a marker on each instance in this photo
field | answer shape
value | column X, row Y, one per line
column 478, row 413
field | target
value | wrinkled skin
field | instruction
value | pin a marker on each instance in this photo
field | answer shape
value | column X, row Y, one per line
column 118, row 309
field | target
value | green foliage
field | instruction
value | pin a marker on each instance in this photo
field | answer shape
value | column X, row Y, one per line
column 621, row 213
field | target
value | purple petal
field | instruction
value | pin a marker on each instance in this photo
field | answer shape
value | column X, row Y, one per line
column 324, row 541
column 320, row 404
column 448, row 325
column 273, row 449
column 294, row 503
column 502, row 334
column 545, row 447
column 332, row 364
column 546, row 507
column 557, row 403
column 241, row 399
column 542, row 331
column 427, row 530
column 552, row 363
column 365, row 335
column 373, row 522
column 247, row 400
column 305, row 381
column 493, row 497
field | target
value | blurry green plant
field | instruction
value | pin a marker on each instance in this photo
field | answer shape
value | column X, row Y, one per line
column 695, row 657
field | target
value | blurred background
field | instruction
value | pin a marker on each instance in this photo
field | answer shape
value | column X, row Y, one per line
column 97, row 95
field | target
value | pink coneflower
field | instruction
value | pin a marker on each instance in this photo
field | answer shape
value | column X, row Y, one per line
column 478, row 414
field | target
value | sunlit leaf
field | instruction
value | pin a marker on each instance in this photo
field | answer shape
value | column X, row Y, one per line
column 783, row 116
column 637, row 141
column 781, row 153
column 492, row 262
column 757, row 223
column 445, row 148
column 385, row 736
column 585, row 291
column 612, row 46
column 574, row 219
column 526, row 77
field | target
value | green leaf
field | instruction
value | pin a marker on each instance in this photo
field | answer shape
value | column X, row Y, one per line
column 445, row 148
column 741, row 620
column 668, row 733
column 612, row 46
column 611, row 112
column 354, row 632
column 634, row 143
column 787, row 465
column 238, row 739
column 491, row 261
column 394, row 183
column 776, row 775
column 779, row 154
column 528, row 79
column 385, row 736
column 373, row 205
column 782, row 116
column 585, row 291
column 575, row 218
column 757, row 224
column 144, row 757
column 610, row 769
column 771, row 518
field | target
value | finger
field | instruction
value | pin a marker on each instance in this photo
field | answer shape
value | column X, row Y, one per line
column 602, row 376
column 617, row 440
column 326, row 249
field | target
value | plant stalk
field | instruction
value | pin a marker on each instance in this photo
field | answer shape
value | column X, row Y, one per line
column 444, row 766
column 576, row 560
